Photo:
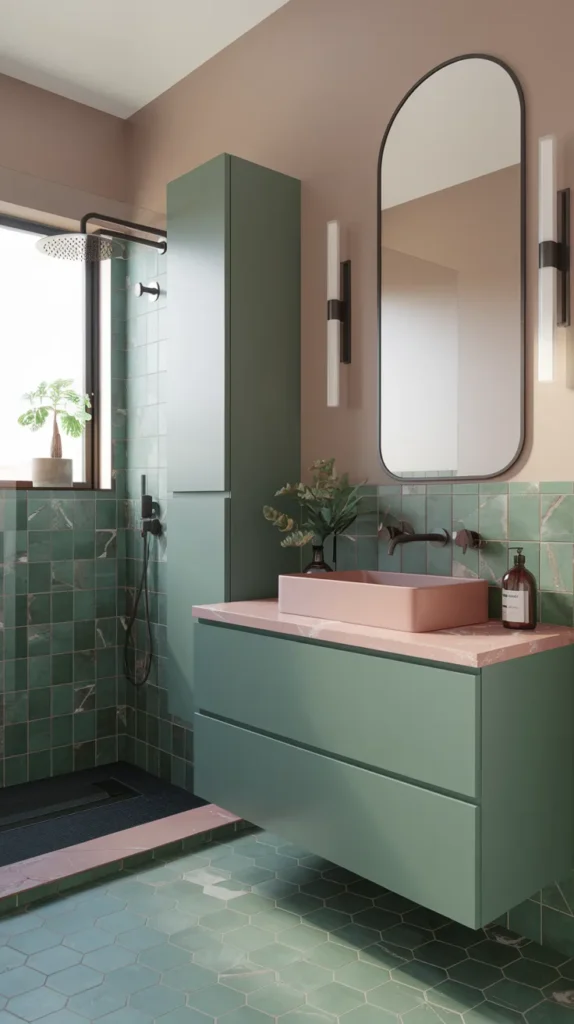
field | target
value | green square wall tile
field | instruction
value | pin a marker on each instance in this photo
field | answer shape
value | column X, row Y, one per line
column 367, row 552
column 84, row 515
column 556, row 609
column 39, row 704
column 62, row 545
column 470, row 487
column 15, row 770
column 62, row 637
column 414, row 558
column 16, row 708
column 439, row 512
column 39, row 577
column 84, row 544
column 40, row 672
column 493, row 487
column 465, row 512
column 84, row 604
column 39, row 764
column 62, row 700
column 556, row 567
column 493, row 562
column 39, row 639
column 62, row 576
column 439, row 560
column 106, row 514
column 62, row 607
column 16, row 739
column 62, row 760
column 493, row 516
column 414, row 511
column 557, row 517
column 523, row 487
column 39, row 547
column 524, row 517
column 16, row 675
column 560, row 487
column 38, row 608
column 84, row 635
column 84, row 574
column 62, row 730
column 39, row 733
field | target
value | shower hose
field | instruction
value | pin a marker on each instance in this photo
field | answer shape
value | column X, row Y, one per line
column 140, row 677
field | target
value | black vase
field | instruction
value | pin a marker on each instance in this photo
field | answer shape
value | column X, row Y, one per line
column 317, row 563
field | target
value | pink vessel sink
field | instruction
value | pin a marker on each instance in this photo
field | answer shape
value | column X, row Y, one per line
column 392, row 600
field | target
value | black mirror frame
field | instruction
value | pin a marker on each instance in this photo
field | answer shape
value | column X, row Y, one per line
column 454, row 60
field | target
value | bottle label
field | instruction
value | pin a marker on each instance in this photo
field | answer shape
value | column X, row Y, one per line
column 515, row 606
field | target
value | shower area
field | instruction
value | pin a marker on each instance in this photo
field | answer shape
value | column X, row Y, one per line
column 88, row 745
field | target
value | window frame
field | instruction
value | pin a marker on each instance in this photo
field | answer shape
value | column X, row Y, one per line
column 91, row 362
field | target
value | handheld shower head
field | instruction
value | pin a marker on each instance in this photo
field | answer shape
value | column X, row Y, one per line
column 102, row 244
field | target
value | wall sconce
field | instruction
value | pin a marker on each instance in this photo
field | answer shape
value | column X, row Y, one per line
column 338, row 312
column 553, row 257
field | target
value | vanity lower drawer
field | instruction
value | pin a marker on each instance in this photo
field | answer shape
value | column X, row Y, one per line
column 410, row 840
column 412, row 720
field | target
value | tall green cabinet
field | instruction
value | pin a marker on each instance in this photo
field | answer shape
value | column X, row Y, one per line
column 234, row 390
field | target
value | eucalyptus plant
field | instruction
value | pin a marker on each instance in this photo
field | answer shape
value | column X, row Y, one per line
column 68, row 409
column 329, row 505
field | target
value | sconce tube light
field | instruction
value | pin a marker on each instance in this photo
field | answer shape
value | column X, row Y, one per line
column 553, row 257
column 338, row 312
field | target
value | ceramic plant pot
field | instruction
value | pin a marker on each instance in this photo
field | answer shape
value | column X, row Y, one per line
column 52, row 473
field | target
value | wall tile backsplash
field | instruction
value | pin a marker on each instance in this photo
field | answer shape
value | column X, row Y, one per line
column 538, row 517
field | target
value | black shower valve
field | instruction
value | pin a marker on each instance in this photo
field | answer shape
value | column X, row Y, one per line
column 152, row 526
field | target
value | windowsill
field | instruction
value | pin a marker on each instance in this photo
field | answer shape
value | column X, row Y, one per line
column 27, row 485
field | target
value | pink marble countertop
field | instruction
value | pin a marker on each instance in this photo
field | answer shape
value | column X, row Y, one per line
column 473, row 646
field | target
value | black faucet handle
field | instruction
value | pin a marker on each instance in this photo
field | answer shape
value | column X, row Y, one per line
column 466, row 539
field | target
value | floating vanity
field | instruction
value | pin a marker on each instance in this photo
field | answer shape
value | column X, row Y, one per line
column 440, row 765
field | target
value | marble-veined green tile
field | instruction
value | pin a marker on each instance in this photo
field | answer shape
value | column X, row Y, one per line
column 439, row 560
column 493, row 516
column 556, row 609
column 439, row 512
column 15, row 711
column 556, row 567
column 62, row 668
column 524, row 517
column 62, row 760
column 476, row 974
column 445, row 488
column 62, row 731
column 530, row 973
column 15, row 675
column 85, row 574
column 106, row 514
column 493, row 561
column 556, row 487
column 84, row 544
column 84, row 635
column 40, row 672
column 38, row 608
column 523, row 487
column 39, row 639
column 551, row 896
column 84, row 604
column 62, row 576
column 84, row 514
column 557, row 517
column 414, row 510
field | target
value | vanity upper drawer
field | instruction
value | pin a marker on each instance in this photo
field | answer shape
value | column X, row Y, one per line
column 416, row 721
column 417, row 843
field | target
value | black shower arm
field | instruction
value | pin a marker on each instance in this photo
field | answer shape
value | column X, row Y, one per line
column 161, row 246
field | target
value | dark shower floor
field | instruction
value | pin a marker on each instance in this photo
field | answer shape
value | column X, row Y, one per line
column 40, row 817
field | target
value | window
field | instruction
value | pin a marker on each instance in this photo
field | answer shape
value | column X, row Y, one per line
column 43, row 337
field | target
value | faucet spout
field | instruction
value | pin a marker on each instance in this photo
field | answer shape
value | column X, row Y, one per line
column 440, row 539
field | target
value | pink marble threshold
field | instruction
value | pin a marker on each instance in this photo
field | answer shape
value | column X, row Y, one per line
column 51, row 867
column 477, row 646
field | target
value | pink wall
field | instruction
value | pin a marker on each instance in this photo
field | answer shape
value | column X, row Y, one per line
column 309, row 92
column 57, row 156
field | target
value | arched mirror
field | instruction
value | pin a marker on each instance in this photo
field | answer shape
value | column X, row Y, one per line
column 451, row 283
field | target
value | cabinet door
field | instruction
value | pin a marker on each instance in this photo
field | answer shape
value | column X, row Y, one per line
column 416, row 721
column 417, row 843
column 198, row 346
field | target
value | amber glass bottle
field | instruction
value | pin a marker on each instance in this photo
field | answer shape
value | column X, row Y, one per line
column 519, row 595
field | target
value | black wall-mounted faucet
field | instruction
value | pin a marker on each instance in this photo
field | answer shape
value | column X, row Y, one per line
column 440, row 539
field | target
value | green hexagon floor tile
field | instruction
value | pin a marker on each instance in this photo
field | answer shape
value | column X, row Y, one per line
column 257, row 930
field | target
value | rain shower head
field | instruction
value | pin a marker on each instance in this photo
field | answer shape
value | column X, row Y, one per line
column 102, row 244
column 79, row 247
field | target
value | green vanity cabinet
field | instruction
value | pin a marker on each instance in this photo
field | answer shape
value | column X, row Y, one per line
column 233, row 413
column 451, row 786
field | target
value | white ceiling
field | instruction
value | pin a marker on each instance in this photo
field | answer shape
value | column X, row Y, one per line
column 117, row 55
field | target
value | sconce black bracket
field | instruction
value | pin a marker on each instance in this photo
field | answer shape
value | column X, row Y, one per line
column 340, row 309
column 557, row 255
